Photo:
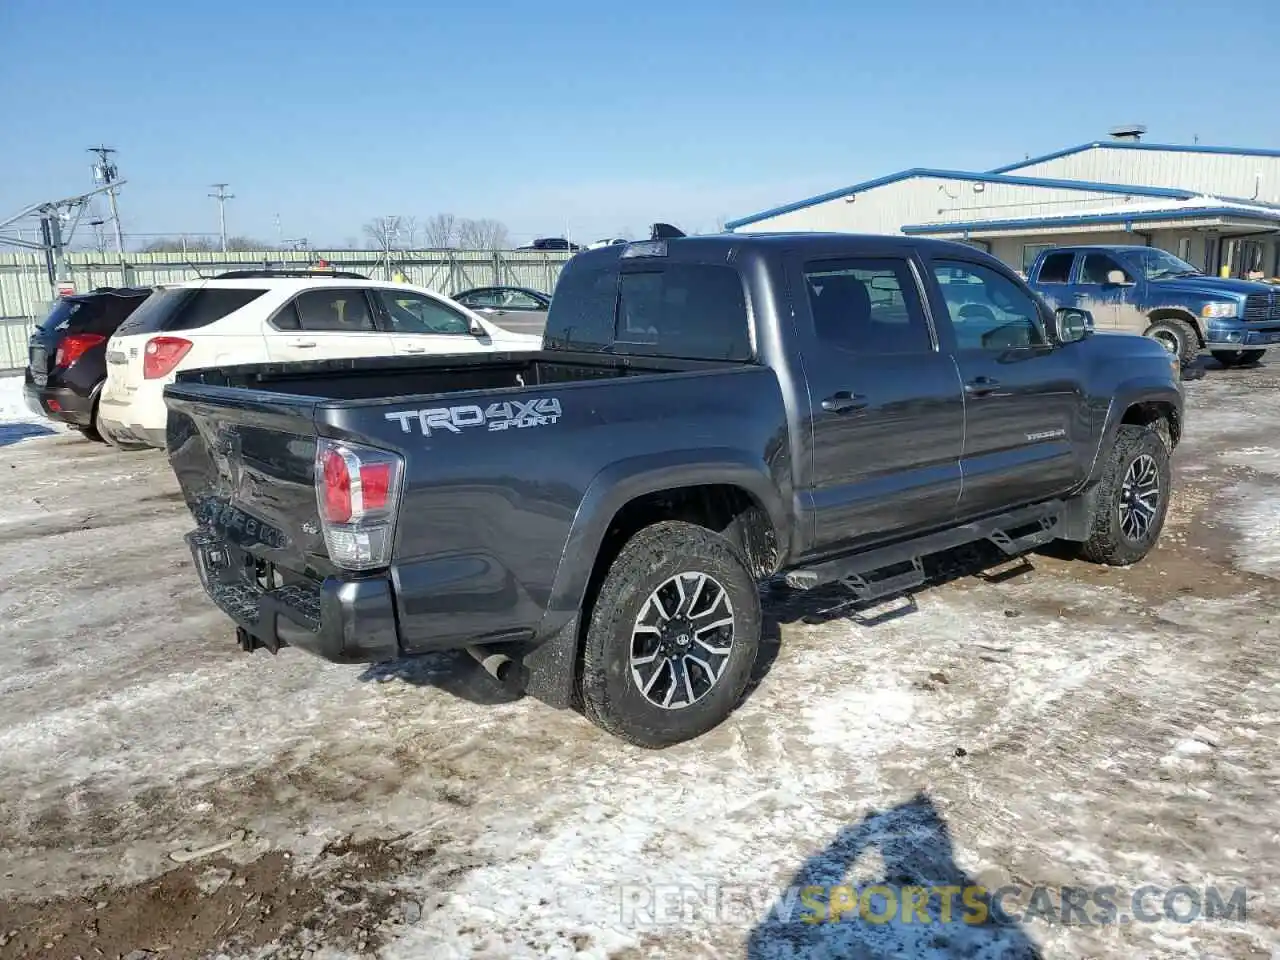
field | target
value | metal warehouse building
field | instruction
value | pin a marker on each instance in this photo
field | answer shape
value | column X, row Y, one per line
column 1215, row 207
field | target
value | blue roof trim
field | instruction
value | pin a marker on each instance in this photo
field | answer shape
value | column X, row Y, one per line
column 1125, row 145
column 923, row 229
column 1085, row 185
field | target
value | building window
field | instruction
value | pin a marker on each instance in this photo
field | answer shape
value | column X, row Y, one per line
column 1184, row 248
column 1029, row 253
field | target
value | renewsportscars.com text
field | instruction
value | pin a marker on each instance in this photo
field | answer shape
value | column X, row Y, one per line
column 677, row 904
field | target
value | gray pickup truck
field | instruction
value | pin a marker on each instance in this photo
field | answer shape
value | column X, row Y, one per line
column 591, row 521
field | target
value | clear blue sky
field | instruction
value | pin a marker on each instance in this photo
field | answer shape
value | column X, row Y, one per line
column 595, row 114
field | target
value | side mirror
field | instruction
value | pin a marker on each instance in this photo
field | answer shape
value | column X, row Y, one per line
column 476, row 330
column 1117, row 279
column 1073, row 324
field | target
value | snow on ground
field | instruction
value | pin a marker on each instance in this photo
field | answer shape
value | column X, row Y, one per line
column 13, row 407
column 1068, row 725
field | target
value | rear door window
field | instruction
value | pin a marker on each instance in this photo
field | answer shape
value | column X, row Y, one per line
column 335, row 311
column 867, row 306
column 692, row 311
column 186, row 308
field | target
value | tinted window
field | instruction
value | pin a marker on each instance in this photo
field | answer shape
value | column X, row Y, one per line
column 341, row 311
column 988, row 310
column 1056, row 268
column 1029, row 253
column 583, row 306
column 869, row 306
column 1096, row 266
column 61, row 315
column 413, row 313
column 697, row 311
column 186, row 308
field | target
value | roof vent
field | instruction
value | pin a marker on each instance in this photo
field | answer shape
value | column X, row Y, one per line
column 1129, row 131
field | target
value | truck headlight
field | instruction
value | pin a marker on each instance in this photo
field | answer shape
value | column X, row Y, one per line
column 1220, row 311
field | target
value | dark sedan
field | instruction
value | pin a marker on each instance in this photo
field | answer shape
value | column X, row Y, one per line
column 519, row 309
column 68, row 355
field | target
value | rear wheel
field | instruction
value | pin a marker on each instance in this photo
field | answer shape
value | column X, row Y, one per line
column 672, row 638
column 91, row 432
column 1177, row 336
column 1133, row 498
column 1237, row 358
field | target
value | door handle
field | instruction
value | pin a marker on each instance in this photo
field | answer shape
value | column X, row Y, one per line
column 844, row 402
column 302, row 343
column 410, row 348
column 981, row 386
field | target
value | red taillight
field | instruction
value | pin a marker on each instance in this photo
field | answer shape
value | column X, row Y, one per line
column 336, row 493
column 341, row 499
column 375, row 485
column 73, row 347
column 356, row 490
column 161, row 355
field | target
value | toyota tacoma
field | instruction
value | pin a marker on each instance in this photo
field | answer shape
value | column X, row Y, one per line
column 591, row 520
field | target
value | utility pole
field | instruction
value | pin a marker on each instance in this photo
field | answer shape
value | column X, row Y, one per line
column 222, row 197
column 106, row 173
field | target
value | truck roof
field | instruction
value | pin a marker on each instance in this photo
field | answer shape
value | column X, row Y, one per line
column 718, row 246
column 1109, row 247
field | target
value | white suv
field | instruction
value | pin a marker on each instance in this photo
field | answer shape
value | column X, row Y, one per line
column 265, row 316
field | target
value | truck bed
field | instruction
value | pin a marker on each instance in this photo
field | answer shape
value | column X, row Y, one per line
column 402, row 377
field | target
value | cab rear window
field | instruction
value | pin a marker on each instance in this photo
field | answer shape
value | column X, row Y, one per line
column 186, row 308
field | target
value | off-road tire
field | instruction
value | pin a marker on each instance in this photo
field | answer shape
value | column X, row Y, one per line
column 1108, row 544
column 1183, row 335
column 1237, row 358
column 610, row 696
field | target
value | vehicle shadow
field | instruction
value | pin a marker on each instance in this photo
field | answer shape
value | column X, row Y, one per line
column 452, row 671
column 914, row 843
column 13, row 432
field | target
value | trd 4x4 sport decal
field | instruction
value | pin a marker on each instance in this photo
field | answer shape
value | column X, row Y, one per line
column 507, row 415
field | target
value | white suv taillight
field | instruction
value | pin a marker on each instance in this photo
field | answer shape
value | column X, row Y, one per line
column 357, row 490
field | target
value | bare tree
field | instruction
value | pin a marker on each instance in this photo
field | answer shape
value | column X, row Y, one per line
column 440, row 230
column 483, row 235
column 409, row 230
column 383, row 231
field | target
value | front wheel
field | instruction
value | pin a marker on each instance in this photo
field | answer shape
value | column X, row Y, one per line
column 1133, row 498
column 1237, row 358
column 1178, row 337
column 672, row 638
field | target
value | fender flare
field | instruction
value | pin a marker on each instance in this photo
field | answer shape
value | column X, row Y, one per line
column 1128, row 393
column 550, row 665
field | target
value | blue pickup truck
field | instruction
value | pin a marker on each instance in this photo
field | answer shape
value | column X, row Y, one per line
column 1146, row 290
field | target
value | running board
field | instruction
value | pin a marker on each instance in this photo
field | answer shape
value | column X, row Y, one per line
column 869, row 574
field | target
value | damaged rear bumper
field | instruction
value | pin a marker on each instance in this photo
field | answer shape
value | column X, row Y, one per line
column 344, row 621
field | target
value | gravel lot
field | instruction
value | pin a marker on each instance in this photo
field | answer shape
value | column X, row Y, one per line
column 1043, row 723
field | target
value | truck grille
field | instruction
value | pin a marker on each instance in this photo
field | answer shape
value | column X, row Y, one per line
column 1262, row 306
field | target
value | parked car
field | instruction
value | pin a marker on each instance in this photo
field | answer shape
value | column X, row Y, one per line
column 274, row 316
column 605, row 243
column 499, row 301
column 591, row 521
column 550, row 243
column 1146, row 290
column 67, row 362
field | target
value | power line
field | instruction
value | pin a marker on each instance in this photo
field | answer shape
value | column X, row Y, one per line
column 222, row 197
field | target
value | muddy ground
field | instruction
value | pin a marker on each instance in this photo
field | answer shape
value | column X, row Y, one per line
column 1037, row 723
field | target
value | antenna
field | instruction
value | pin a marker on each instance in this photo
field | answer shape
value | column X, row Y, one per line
column 222, row 197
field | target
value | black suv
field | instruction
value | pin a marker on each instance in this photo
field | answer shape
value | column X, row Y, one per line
column 68, row 354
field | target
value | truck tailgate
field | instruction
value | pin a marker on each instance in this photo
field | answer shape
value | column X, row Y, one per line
column 245, row 461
